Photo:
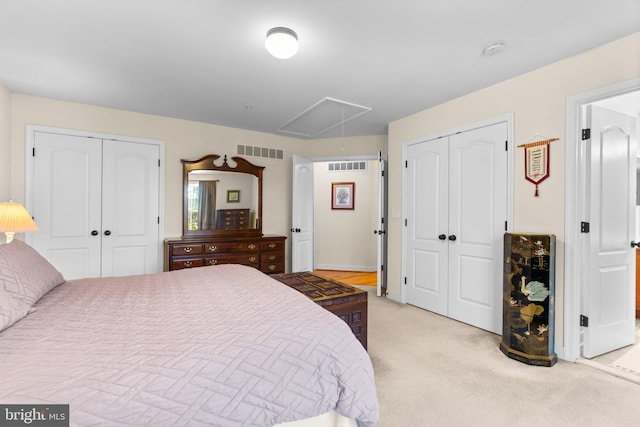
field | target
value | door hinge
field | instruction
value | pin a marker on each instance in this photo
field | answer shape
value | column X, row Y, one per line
column 505, row 226
column 584, row 321
column 382, row 267
column 158, row 162
column 405, row 280
column 586, row 134
column 506, row 146
column 406, row 163
column 382, row 173
column 405, row 222
column 33, row 152
column 584, row 227
column 158, row 220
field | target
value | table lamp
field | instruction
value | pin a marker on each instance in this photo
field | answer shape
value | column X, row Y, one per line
column 14, row 218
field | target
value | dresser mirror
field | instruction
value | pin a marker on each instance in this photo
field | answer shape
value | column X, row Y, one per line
column 221, row 197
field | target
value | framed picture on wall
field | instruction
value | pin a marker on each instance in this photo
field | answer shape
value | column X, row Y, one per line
column 233, row 196
column 343, row 195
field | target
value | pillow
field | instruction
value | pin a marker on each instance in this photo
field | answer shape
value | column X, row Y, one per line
column 11, row 310
column 24, row 274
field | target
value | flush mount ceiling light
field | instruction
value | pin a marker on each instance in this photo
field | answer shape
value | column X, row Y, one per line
column 281, row 42
column 494, row 48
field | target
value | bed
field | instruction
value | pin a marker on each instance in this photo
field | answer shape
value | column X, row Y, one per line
column 222, row 346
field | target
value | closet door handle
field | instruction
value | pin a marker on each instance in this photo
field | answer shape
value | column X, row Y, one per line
column 94, row 232
column 107, row 233
column 452, row 237
column 442, row 236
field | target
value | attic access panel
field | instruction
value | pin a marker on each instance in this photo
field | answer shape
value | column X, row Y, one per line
column 323, row 116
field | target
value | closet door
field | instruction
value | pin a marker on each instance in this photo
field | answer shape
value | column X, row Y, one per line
column 130, row 208
column 67, row 202
column 456, row 192
column 427, row 253
column 97, row 205
column 477, row 215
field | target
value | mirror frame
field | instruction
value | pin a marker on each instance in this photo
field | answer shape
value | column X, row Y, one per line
column 208, row 163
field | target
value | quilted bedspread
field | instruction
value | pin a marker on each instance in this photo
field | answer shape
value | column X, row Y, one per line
column 222, row 346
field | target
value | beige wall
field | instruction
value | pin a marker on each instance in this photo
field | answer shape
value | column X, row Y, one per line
column 344, row 239
column 183, row 140
column 5, row 144
column 538, row 100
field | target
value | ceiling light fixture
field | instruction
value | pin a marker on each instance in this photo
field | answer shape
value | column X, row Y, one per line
column 281, row 42
column 494, row 48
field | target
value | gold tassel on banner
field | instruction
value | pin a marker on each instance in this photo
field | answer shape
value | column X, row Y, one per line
column 536, row 161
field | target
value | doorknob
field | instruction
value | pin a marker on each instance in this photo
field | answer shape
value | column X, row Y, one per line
column 452, row 237
column 107, row 233
column 94, row 232
column 378, row 231
column 635, row 244
column 442, row 236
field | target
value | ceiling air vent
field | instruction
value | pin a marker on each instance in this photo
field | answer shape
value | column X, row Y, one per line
column 269, row 153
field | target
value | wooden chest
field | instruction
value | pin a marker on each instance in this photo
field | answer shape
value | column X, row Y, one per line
column 346, row 302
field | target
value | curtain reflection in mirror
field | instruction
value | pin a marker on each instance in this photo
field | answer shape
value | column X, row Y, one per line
column 207, row 204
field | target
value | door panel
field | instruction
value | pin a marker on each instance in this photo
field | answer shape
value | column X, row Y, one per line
column 427, row 215
column 477, row 214
column 610, row 287
column 66, row 182
column 381, row 283
column 302, row 215
column 130, row 208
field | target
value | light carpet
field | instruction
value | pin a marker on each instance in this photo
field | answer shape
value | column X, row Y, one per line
column 434, row 371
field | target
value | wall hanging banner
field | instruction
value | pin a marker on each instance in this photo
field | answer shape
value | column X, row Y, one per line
column 536, row 161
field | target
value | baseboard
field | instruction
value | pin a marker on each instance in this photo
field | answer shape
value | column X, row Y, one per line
column 363, row 269
column 395, row 297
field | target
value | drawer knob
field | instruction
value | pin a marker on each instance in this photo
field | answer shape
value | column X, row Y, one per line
column 272, row 267
column 213, row 262
column 188, row 249
column 252, row 246
column 272, row 245
column 213, row 248
column 272, row 258
column 252, row 259
column 188, row 264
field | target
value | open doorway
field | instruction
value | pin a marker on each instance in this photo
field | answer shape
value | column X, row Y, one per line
column 588, row 209
column 342, row 236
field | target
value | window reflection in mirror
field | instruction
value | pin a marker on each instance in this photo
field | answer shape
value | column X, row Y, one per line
column 221, row 200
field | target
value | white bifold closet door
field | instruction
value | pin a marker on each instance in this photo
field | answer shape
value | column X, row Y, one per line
column 96, row 202
column 456, row 211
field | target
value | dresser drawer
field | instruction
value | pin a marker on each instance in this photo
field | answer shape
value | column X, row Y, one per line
column 244, row 259
column 272, row 245
column 275, row 267
column 187, row 249
column 210, row 248
column 179, row 264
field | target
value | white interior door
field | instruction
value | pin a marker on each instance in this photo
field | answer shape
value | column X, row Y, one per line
column 456, row 210
column 477, row 216
column 130, row 208
column 67, row 202
column 97, row 204
column 302, row 215
column 381, row 285
column 609, row 288
column 426, row 221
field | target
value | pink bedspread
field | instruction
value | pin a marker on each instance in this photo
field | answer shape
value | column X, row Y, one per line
column 223, row 346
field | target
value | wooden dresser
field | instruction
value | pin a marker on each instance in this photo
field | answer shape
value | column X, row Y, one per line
column 266, row 253
column 232, row 219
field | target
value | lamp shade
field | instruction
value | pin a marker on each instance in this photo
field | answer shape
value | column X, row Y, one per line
column 14, row 218
column 281, row 42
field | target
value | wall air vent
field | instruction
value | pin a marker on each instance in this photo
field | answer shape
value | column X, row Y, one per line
column 351, row 166
column 269, row 153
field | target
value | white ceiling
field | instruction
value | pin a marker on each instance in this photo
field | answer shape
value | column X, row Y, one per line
column 204, row 60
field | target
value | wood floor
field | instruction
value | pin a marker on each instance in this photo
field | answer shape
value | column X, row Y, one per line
column 350, row 277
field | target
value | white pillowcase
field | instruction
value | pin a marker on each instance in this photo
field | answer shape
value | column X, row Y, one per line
column 25, row 274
